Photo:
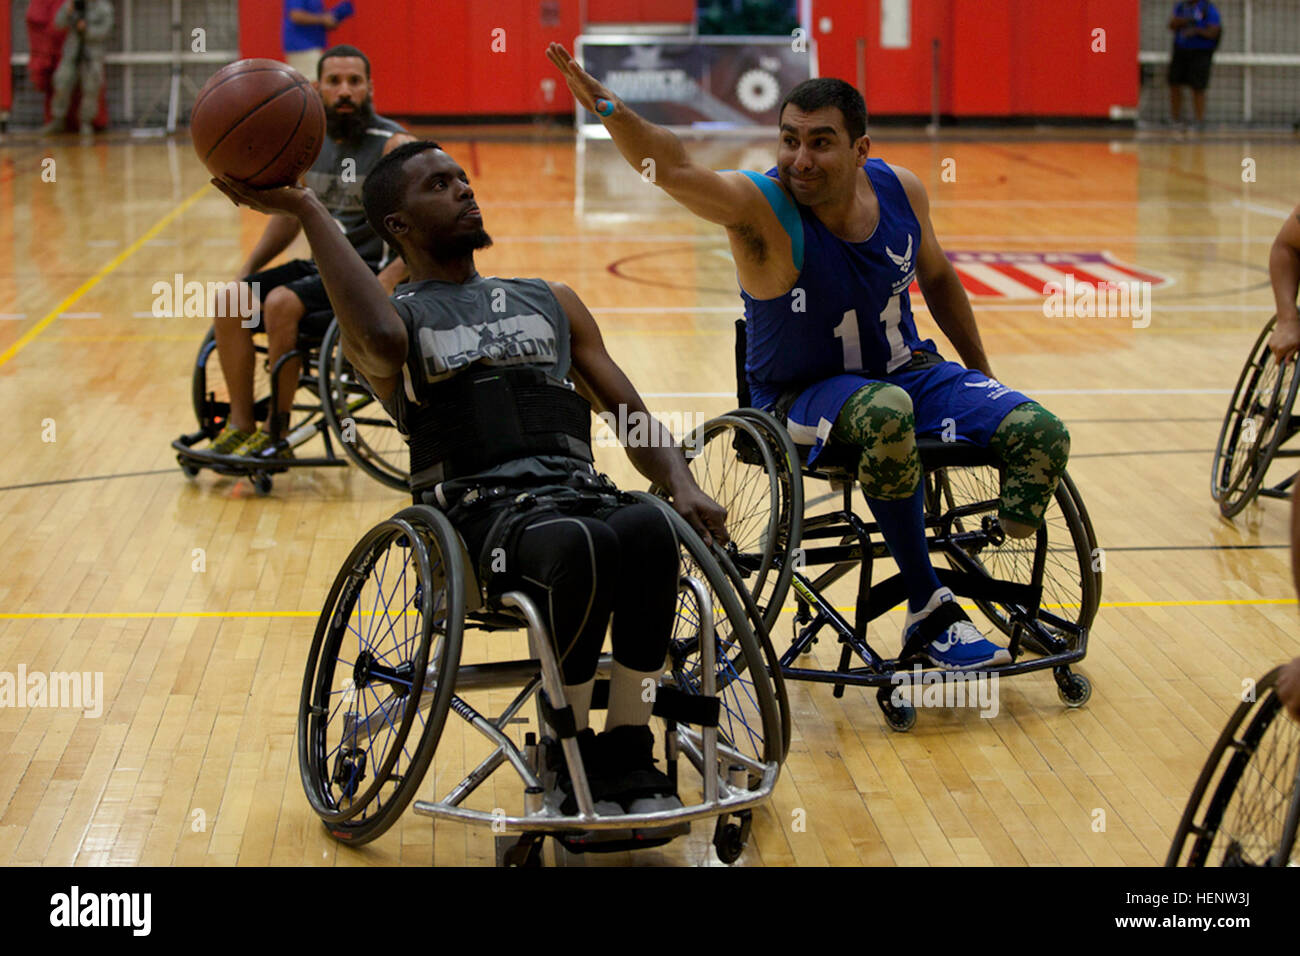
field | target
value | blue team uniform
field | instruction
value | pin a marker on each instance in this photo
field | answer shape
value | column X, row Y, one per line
column 848, row 322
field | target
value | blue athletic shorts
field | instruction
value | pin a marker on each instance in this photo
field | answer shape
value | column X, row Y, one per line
column 975, row 404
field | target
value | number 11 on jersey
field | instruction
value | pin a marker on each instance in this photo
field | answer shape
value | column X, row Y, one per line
column 892, row 317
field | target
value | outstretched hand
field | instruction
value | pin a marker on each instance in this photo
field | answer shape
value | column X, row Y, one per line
column 586, row 89
column 275, row 200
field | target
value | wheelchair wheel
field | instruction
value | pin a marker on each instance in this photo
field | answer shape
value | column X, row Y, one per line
column 734, row 464
column 750, row 720
column 380, row 674
column 1071, row 581
column 751, row 711
column 789, row 477
column 1251, row 818
column 1258, row 421
column 208, row 393
column 358, row 420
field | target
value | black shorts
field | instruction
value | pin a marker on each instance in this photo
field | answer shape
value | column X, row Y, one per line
column 302, row 278
column 1190, row 68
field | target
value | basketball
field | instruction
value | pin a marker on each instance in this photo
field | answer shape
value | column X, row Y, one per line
column 259, row 122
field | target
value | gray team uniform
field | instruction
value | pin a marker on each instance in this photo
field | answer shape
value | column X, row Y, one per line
column 479, row 325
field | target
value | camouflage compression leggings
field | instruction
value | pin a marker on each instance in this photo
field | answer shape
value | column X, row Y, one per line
column 1032, row 442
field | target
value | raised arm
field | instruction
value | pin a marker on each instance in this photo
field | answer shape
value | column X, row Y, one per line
column 603, row 383
column 1284, row 274
column 944, row 295
column 728, row 199
column 374, row 337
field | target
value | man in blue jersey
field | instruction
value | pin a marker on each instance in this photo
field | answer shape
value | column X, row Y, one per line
column 826, row 245
column 1197, row 29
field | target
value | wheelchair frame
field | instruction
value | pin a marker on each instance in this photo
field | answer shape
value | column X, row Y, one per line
column 1258, row 423
column 321, row 419
column 728, row 794
column 1023, row 618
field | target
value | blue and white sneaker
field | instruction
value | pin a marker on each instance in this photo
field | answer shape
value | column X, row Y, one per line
column 942, row 632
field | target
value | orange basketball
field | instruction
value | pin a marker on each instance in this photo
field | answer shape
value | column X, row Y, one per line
column 259, row 122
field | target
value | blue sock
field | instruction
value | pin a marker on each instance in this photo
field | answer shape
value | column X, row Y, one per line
column 902, row 523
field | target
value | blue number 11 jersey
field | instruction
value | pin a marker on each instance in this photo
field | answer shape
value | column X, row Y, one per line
column 849, row 311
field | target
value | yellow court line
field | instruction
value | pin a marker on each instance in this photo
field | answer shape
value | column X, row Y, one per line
column 173, row 615
column 94, row 280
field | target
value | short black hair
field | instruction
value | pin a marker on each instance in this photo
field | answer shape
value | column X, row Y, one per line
column 343, row 49
column 828, row 91
column 385, row 186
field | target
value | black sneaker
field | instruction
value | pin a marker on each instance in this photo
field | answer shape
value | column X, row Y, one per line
column 636, row 783
column 593, row 764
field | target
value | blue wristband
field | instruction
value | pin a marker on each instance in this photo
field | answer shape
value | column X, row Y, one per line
column 605, row 107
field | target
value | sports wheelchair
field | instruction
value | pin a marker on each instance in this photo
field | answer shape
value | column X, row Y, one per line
column 1042, row 592
column 338, row 403
column 1258, row 423
column 1252, row 816
column 389, row 661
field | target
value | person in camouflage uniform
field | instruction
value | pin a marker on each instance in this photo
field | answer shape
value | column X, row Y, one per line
column 88, row 25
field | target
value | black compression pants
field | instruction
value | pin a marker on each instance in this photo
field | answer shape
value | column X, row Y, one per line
column 579, row 567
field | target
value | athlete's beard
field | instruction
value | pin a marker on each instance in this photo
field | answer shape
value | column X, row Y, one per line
column 346, row 127
column 458, row 247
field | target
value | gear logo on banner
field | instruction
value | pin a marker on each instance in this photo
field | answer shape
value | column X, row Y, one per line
column 757, row 90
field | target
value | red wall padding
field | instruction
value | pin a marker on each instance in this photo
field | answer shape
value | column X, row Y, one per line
column 6, row 49
column 997, row 57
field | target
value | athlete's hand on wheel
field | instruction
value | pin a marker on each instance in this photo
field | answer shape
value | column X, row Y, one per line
column 282, row 200
column 705, row 515
column 1285, row 340
column 586, row 89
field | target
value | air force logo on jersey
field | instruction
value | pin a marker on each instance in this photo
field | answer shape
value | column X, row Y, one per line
column 904, row 263
column 514, row 340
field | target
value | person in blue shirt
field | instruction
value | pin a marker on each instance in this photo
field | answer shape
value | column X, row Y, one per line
column 826, row 245
column 306, row 23
column 1197, row 28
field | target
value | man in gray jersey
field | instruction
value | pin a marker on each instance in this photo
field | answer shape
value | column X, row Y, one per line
column 356, row 140
column 481, row 374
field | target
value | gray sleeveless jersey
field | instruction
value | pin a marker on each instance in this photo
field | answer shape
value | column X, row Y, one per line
column 487, row 322
column 337, row 176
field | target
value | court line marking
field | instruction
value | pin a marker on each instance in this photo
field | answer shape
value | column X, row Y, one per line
column 948, row 238
column 178, row 615
column 1035, row 391
column 984, row 305
column 27, row 337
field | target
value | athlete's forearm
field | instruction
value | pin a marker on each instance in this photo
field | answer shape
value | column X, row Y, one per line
column 1284, row 274
column 640, row 140
column 951, row 310
column 372, row 333
column 275, row 238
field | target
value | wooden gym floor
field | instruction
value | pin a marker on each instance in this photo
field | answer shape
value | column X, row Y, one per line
column 193, row 761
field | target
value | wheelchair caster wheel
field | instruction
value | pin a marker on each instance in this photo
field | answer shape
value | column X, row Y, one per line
column 1074, row 689
column 900, row 717
column 188, row 468
column 261, row 483
column 730, row 839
